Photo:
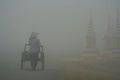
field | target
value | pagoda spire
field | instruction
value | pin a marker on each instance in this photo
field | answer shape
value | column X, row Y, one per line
column 117, row 20
column 108, row 35
column 90, row 38
column 116, row 36
column 109, row 28
column 90, row 25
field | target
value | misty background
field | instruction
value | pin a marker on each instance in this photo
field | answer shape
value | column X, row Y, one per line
column 62, row 26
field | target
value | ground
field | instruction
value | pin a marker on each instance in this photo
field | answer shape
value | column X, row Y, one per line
column 79, row 69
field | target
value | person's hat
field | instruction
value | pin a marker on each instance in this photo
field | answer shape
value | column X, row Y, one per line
column 33, row 34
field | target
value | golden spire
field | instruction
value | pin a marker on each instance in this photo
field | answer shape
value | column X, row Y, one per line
column 108, row 35
column 90, row 25
column 109, row 28
column 90, row 39
column 117, row 20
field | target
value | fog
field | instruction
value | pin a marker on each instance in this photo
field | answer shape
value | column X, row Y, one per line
column 62, row 27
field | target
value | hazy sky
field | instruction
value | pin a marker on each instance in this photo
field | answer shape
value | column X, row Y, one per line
column 62, row 24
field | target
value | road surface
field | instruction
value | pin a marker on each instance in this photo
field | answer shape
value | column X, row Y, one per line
column 72, row 70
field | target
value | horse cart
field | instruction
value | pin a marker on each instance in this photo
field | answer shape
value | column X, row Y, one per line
column 26, row 56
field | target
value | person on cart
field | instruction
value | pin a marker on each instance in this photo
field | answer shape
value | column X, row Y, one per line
column 34, row 43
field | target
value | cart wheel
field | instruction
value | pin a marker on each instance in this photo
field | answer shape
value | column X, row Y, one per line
column 42, row 60
column 22, row 61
